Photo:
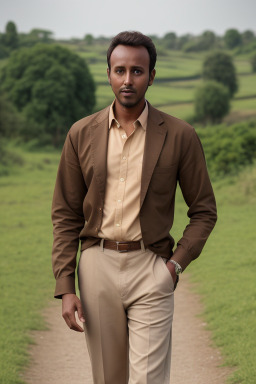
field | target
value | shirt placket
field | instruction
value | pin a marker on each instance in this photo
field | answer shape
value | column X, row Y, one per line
column 122, row 181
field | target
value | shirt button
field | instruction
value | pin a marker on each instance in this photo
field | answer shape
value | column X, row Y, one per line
column 96, row 229
column 100, row 209
column 123, row 136
column 124, row 157
column 119, row 201
column 122, row 179
column 117, row 225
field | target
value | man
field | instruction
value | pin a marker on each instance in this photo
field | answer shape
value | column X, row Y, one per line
column 115, row 192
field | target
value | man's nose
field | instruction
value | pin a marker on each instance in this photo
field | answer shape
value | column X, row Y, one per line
column 128, row 79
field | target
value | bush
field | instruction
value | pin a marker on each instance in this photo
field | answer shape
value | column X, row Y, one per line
column 232, row 38
column 219, row 66
column 212, row 102
column 229, row 148
column 51, row 86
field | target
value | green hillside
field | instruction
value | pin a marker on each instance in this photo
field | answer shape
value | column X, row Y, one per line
column 177, row 76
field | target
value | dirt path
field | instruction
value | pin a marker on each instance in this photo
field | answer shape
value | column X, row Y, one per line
column 59, row 355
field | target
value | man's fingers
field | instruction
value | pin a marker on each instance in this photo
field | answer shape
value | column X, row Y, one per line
column 71, row 304
column 72, row 323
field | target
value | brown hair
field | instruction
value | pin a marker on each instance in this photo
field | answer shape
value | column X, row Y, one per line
column 134, row 39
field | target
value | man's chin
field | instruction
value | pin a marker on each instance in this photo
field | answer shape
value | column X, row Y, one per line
column 128, row 103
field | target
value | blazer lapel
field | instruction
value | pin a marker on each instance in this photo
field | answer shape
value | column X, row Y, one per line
column 155, row 137
column 99, row 144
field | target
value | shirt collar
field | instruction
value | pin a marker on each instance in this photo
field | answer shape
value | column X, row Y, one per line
column 141, row 121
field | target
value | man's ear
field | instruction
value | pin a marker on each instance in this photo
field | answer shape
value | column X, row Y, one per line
column 108, row 72
column 151, row 77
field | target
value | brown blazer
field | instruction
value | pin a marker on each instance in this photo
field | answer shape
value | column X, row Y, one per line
column 173, row 153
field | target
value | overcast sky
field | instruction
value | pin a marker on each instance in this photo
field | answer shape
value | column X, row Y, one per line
column 76, row 18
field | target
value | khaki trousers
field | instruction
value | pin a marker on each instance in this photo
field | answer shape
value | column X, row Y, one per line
column 128, row 305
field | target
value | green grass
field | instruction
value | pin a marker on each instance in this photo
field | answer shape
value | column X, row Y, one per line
column 243, row 65
column 247, row 86
column 224, row 273
column 244, row 105
column 182, row 111
column 25, row 249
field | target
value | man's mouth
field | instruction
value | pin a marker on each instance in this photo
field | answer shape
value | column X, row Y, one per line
column 127, row 91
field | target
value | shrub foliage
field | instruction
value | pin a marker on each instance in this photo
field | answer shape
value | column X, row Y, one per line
column 212, row 102
column 219, row 66
column 229, row 148
column 52, row 87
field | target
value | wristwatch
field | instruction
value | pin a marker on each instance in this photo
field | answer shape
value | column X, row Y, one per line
column 178, row 269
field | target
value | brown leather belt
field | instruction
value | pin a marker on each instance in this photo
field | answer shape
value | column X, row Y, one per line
column 122, row 246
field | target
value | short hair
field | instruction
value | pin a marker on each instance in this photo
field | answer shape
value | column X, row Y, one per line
column 134, row 39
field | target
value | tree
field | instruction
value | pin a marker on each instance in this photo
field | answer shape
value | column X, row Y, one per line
column 182, row 40
column 51, row 86
column 11, row 35
column 208, row 39
column 248, row 36
column 170, row 40
column 219, row 66
column 10, row 121
column 232, row 38
column 200, row 43
column 41, row 35
column 88, row 39
column 212, row 102
column 253, row 62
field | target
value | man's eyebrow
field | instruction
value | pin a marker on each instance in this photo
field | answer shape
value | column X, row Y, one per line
column 134, row 66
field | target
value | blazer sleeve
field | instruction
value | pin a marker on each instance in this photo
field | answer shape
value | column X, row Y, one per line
column 199, row 197
column 67, row 217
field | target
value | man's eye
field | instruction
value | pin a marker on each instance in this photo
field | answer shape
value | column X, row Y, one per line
column 119, row 71
column 137, row 71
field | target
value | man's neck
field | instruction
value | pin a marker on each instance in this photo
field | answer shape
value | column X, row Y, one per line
column 126, row 115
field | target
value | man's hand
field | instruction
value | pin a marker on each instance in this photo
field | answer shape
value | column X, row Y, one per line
column 70, row 305
column 171, row 268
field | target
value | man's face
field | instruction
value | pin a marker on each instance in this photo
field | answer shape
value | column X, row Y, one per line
column 129, row 75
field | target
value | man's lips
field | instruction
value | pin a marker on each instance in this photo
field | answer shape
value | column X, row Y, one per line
column 127, row 91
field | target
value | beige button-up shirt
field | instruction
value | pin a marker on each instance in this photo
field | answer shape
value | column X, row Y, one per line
column 124, row 166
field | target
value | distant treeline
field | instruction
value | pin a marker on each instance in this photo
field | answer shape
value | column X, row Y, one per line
column 244, row 41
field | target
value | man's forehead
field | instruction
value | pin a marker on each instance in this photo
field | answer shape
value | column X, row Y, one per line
column 125, row 53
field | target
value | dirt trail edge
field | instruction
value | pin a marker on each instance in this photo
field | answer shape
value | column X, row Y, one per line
column 59, row 356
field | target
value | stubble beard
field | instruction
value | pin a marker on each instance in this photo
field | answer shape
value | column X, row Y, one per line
column 131, row 104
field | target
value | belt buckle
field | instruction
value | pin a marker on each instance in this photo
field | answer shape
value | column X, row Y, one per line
column 117, row 247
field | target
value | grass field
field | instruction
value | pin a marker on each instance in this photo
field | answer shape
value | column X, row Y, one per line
column 25, row 248
column 225, row 273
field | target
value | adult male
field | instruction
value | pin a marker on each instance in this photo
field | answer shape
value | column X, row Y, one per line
column 115, row 191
